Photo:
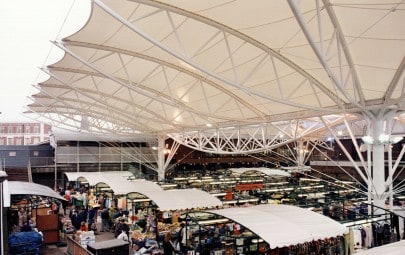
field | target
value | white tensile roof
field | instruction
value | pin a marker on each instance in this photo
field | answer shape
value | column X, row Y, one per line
column 146, row 67
column 284, row 225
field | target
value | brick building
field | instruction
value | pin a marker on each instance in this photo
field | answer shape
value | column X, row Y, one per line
column 23, row 133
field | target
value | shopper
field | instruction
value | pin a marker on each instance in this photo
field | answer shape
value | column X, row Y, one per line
column 168, row 246
column 105, row 218
column 91, row 216
column 183, row 237
column 121, row 226
column 81, row 216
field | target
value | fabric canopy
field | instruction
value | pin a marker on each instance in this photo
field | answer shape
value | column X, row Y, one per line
column 121, row 187
column 27, row 188
column 95, row 178
column 396, row 248
column 266, row 171
column 116, row 180
column 283, row 225
column 182, row 199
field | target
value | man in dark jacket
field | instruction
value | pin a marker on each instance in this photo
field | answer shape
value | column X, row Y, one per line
column 91, row 216
column 105, row 219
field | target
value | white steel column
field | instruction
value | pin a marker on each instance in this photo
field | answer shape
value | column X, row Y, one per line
column 302, row 152
column 381, row 139
column 161, row 157
column 378, row 170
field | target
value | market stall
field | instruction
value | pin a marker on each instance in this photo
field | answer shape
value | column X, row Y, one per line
column 27, row 188
column 271, row 172
column 29, row 212
column 165, row 216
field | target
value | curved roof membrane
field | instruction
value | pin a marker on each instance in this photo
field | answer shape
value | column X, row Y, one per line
column 202, row 68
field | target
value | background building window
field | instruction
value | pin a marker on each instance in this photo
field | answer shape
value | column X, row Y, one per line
column 19, row 129
column 10, row 141
column 10, row 129
column 36, row 129
column 12, row 154
column 27, row 129
column 27, row 141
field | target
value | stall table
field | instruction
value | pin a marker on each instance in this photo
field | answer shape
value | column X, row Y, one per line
column 109, row 247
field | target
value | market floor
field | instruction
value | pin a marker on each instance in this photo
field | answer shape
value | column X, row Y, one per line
column 53, row 249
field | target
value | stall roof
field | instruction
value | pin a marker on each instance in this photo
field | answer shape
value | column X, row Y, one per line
column 283, row 225
column 125, row 187
column 266, row 171
column 27, row 188
column 117, row 180
column 396, row 248
column 97, row 177
column 182, row 199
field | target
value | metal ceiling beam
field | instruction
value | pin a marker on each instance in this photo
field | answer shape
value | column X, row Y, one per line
column 320, row 55
column 345, row 47
column 250, row 139
column 395, row 82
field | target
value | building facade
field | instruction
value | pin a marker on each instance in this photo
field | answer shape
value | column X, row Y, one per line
column 23, row 133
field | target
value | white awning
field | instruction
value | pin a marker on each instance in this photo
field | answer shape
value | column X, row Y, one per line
column 117, row 180
column 284, row 225
column 95, row 178
column 266, row 171
column 27, row 188
column 182, row 199
column 296, row 168
column 121, row 187
column 396, row 248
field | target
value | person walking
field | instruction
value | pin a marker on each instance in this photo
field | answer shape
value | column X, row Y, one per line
column 105, row 219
